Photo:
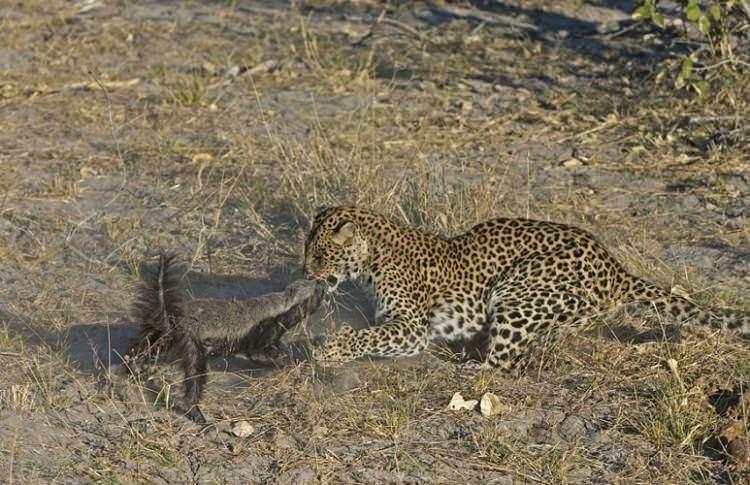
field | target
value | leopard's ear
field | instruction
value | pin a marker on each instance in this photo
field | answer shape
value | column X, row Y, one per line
column 322, row 211
column 344, row 234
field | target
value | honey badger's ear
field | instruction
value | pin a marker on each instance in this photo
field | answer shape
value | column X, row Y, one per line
column 344, row 234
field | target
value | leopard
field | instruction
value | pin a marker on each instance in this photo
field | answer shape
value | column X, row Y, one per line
column 504, row 283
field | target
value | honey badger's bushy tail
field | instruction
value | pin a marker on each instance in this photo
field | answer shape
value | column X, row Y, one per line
column 682, row 310
column 160, row 302
column 160, row 307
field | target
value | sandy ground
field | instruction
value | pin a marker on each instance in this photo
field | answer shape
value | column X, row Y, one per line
column 216, row 129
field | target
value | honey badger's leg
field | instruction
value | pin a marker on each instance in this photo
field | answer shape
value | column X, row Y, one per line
column 142, row 348
column 193, row 362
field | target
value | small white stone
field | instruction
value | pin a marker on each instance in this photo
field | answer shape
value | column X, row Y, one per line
column 233, row 71
column 458, row 403
column 572, row 162
column 490, row 405
column 242, row 429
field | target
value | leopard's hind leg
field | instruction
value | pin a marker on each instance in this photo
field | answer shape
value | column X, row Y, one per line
column 519, row 313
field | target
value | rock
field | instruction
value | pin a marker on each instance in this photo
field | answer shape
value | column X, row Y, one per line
column 736, row 211
column 738, row 449
column 572, row 427
column 242, row 429
column 458, row 403
column 490, row 405
column 299, row 475
column 572, row 162
column 284, row 441
column 232, row 71
column 346, row 380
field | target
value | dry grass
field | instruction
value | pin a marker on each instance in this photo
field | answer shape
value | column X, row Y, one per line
column 134, row 127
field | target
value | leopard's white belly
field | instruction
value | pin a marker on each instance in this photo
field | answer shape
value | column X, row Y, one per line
column 448, row 324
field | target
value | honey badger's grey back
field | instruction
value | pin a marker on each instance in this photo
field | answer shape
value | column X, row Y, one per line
column 234, row 319
column 245, row 326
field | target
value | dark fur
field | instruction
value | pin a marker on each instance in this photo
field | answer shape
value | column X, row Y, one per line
column 191, row 330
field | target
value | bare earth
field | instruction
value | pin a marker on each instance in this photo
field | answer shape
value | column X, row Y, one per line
column 216, row 129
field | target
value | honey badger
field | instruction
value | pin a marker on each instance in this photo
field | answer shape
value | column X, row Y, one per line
column 193, row 329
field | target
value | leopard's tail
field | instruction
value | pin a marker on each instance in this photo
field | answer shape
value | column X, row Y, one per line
column 159, row 304
column 681, row 310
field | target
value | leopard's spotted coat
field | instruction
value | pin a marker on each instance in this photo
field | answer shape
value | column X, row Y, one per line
column 505, row 280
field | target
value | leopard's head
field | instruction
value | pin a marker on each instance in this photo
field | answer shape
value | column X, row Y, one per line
column 336, row 249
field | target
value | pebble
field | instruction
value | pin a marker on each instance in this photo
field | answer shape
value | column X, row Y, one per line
column 242, row 429
column 490, row 405
column 458, row 403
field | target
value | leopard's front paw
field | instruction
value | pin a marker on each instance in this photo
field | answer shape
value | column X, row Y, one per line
column 474, row 366
column 338, row 349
